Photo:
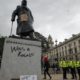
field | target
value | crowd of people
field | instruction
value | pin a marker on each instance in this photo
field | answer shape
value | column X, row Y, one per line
column 70, row 66
column 65, row 67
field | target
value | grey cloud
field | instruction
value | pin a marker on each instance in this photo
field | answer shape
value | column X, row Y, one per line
column 51, row 16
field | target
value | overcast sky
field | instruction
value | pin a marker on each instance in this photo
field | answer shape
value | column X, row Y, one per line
column 59, row 18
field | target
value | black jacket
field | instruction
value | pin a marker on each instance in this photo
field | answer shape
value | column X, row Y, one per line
column 46, row 65
column 23, row 27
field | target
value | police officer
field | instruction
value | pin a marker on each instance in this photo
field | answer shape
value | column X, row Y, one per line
column 78, row 68
column 64, row 68
column 72, row 68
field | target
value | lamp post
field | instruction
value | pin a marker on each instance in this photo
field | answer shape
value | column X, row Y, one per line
column 45, row 47
column 56, row 50
column 57, row 61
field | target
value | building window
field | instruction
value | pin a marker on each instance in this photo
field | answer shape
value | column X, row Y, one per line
column 65, row 50
column 60, row 54
column 79, row 42
column 75, row 49
column 74, row 43
column 76, row 57
column 79, row 48
column 62, row 51
column 79, row 45
column 70, row 51
column 69, row 45
column 65, row 47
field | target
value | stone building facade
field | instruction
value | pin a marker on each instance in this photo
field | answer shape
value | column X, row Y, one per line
column 69, row 49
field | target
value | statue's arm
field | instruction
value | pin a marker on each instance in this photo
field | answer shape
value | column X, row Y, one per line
column 31, row 15
column 13, row 16
column 15, row 12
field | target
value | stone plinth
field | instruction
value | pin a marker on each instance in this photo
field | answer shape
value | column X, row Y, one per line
column 20, row 57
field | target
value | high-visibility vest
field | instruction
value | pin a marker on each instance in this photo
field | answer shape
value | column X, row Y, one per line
column 60, row 63
column 77, row 63
column 64, row 64
column 74, row 64
column 71, row 64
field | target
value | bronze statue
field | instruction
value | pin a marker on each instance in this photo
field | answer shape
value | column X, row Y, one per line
column 24, row 20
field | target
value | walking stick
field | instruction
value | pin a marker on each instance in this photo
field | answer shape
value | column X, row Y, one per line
column 11, row 29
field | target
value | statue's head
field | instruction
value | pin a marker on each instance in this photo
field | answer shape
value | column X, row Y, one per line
column 24, row 3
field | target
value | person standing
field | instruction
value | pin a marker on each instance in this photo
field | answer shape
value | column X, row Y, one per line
column 46, row 67
column 72, row 68
column 78, row 68
column 54, row 68
column 64, row 68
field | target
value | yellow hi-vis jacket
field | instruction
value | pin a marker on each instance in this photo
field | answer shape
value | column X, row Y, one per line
column 62, row 64
column 77, row 64
column 71, row 64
